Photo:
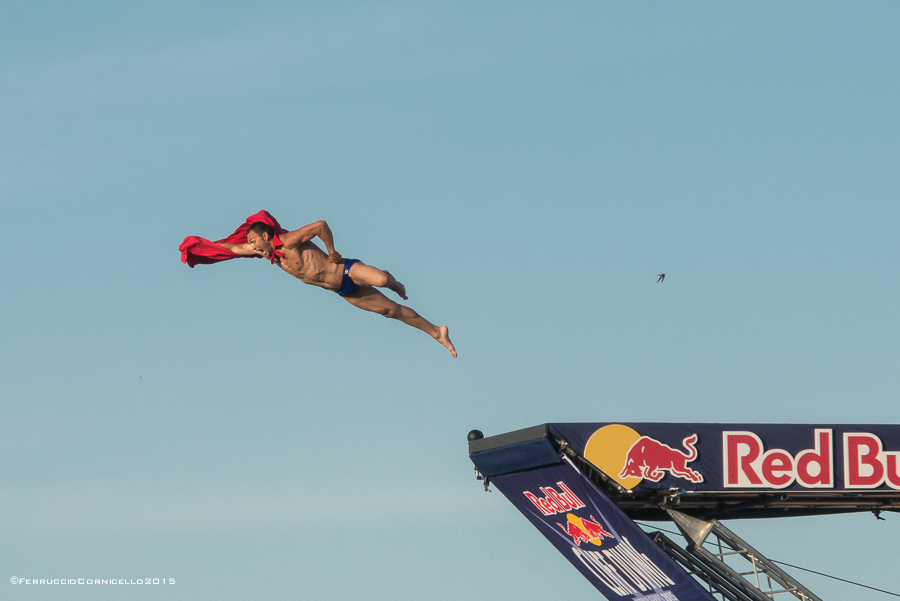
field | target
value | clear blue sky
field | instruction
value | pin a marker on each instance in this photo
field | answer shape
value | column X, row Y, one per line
column 526, row 170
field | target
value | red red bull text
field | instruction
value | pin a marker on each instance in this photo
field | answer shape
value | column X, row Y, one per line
column 553, row 502
column 867, row 464
column 649, row 458
column 747, row 465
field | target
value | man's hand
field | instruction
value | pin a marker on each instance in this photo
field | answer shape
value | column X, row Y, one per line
column 243, row 250
column 335, row 257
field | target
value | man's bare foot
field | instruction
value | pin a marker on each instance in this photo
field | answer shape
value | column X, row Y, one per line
column 444, row 338
column 396, row 286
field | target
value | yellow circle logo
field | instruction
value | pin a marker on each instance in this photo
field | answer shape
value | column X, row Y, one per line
column 608, row 448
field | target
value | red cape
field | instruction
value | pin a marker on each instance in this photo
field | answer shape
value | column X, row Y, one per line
column 200, row 251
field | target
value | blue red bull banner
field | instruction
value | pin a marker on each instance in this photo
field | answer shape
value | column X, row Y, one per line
column 735, row 457
column 609, row 550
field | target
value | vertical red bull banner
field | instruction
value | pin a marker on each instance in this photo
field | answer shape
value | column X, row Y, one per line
column 616, row 556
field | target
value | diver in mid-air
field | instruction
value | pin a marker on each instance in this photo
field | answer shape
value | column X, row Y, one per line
column 295, row 252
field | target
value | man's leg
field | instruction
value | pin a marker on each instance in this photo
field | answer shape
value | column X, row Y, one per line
column 366, row 275
column 370, row 299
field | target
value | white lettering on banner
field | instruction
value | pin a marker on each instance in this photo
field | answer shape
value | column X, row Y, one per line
column 624, row 569
column 664, row 596
column 746, row 464
column 867, row 464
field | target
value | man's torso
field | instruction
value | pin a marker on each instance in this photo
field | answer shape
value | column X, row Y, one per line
column 309, row 264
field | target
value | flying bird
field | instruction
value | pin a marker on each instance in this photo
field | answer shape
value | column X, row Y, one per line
column 662, row 277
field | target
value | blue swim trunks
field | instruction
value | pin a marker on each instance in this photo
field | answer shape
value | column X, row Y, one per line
column 347, row 285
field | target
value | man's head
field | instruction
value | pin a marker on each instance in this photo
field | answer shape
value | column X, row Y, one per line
column 260, row 237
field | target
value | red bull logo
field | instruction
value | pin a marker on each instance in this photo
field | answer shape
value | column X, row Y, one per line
column 583, row 530
column 629, row 458
column 555, row 502
column 649, row 458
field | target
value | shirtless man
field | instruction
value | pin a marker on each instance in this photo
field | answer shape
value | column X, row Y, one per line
column 355, row 281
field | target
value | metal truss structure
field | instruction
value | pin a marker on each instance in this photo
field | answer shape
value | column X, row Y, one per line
column 711, row 555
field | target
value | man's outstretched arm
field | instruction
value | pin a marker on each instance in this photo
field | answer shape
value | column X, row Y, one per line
column 319, row 230
column 243, row 250
column 200, row 251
